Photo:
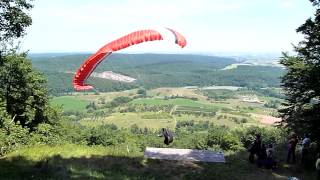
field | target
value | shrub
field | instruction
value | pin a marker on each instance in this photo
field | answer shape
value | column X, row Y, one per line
column 106, row 135
column 12, row 136
column 142, row 92
column 244, row 120
column 221, row 136
column 44, row 133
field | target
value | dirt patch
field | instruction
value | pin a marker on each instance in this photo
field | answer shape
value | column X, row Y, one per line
column 269, row 120
column 113, row 76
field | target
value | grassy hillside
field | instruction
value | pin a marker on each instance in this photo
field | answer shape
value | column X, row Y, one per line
column 83, row 162
column 107, row 141
column 156, row 70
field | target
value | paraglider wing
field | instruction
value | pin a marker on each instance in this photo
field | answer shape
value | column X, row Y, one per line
column 131, row 39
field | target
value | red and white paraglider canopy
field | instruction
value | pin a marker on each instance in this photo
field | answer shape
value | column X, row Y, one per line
column 133, row 38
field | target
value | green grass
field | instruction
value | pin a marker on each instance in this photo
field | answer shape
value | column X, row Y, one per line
column 40, row 152
column 70, row 103
column 177, row 101
column 84, row 162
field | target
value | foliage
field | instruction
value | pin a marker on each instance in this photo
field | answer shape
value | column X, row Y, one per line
column 120, row 100
column 13, row 21
column 142, row 92
column 45, row 134
column 12, row 136
column 105, row 135
column 273, row 104
column 3, row 113
column 221, row 136
column 23, row 91
column 301, row 83
column 192, row 126
column 268, row 135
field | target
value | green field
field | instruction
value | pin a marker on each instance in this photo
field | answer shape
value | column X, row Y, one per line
column 177, row 101
column 126, row 120
column 229, row 112
column 70, row 103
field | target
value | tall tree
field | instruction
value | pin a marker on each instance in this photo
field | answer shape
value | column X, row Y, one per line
column 301, row 112
column 23, row 91
column 13, row 21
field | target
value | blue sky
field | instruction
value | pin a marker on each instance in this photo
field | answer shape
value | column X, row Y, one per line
column 208, row 25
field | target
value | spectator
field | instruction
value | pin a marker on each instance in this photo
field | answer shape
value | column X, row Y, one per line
column 318, row 166
column 292, row 148
column 270, row 162
column 305, row 148
column 262, row 156
column 255, row 148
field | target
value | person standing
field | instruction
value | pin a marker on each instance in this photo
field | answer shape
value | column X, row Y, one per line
column 262, row 156
column 255, row 148
column 270, row 162
column 318, row 166
column 305, row 149
column 293, row 141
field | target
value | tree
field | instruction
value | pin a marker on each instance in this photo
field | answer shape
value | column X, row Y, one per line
column 142, row 92
column 301, row 82
column 3, row 113
column 13, row 21
column 23, row 91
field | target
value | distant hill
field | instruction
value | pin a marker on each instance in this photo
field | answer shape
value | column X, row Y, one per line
column 156, row 70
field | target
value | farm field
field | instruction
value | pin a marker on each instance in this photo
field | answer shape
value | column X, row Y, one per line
column 70, row 103
column 184, row 105
column 148, row 120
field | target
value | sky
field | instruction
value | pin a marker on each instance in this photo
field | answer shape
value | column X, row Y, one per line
column 264, row 26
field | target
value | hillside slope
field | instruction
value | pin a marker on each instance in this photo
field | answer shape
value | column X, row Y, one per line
column 156, row 70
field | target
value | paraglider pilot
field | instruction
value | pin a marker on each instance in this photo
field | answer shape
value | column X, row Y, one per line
column 168, row 136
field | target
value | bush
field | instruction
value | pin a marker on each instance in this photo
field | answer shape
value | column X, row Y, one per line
column 221, row 136
column 119, row 100
column 199, row 141
column 230, row 142
column 12, row 136
column 45, row 134
column 244, row 120
column 142, row 92
column 106, row 135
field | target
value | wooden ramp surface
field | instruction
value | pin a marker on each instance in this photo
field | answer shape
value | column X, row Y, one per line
column 184, row 154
